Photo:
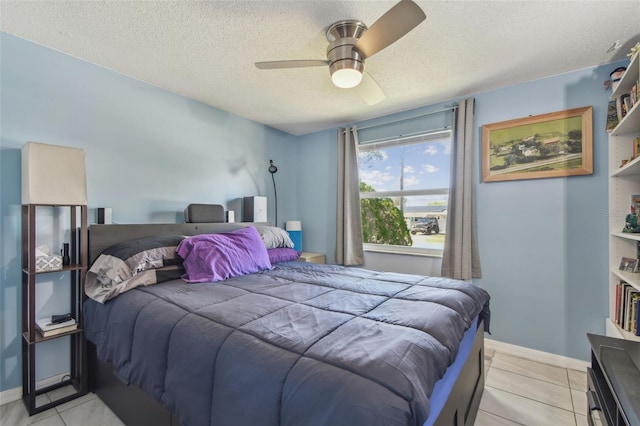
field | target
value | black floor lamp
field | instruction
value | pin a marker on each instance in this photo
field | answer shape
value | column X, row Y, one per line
column 273, row 169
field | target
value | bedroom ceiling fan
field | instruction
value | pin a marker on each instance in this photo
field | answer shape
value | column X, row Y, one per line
column 351, row 43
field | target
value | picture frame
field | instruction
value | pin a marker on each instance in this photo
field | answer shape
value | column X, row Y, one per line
column 556, row 144
column 628, row 264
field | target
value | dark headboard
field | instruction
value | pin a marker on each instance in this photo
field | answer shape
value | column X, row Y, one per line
column 103, row 236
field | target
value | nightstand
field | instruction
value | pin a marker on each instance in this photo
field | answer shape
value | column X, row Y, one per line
column 306, row 256
column 76, row 378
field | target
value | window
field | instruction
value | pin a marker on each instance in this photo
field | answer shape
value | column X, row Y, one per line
column 404, row 193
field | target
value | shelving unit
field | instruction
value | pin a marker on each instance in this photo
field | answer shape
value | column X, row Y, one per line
column 623, row 183
column 77, row 376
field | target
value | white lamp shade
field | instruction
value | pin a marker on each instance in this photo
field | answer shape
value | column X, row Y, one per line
column 53, row 174
column 293, row 225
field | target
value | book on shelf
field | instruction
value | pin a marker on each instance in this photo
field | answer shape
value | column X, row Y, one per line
column 612, row 116
column 48, row 329
column 637, row 319
column 616, row 312
column 633, row 313
column 622, row 286
column 626, row 303
column 619, row 108
column 625, row 104
column 630, row 304
column 627, row 307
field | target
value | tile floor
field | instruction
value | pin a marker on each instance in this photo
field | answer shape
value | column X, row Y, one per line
column 517, row 392
column 522, row 392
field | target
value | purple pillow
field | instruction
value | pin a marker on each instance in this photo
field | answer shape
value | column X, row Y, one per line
column 216, row 257
column 282, row 254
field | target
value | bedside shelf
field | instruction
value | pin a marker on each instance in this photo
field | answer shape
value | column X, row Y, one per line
column 41, row 338
column 64, row 269
column 31, row 336
column 309, row 257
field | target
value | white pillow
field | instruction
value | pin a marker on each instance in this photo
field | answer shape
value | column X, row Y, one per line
column 274, row 237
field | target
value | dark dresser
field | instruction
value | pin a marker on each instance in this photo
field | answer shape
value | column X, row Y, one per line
column 613, row 381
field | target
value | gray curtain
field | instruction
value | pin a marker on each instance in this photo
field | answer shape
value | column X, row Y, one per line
column 349, row 249
column 460, row 258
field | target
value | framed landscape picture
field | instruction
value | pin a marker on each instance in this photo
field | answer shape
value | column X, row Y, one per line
column 541, row 146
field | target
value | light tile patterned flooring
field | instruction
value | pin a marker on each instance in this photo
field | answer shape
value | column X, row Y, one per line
column 517, row 392
column 522, row 392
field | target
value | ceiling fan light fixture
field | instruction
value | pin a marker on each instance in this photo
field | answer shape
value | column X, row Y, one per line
column 347, row 73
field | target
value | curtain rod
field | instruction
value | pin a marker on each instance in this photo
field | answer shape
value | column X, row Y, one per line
column 404, row 137
column 454, row 106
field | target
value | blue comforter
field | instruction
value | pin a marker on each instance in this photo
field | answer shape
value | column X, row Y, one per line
column 301, row 344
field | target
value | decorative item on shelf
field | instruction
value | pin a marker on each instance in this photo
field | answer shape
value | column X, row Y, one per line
column 615, row 76
column 631, row 220
column 46, row 261
column 66, row 260
column 635, row 49
column 104, row 215
column 254, row 209
column 623, row 162
column 628, row 264
column 294, row 228
column 53, row 175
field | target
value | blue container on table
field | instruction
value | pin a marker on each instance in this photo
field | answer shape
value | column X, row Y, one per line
column 294, row 228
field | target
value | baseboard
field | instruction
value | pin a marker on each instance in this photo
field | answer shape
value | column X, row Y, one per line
column 535, row 355
column 11, row 395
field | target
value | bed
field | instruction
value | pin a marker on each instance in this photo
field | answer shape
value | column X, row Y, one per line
column 298, row 344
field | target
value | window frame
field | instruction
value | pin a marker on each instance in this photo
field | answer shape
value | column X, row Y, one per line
column 413, row 139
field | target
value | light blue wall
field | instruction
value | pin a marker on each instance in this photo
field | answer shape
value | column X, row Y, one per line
column 317, row 181
column 149, row 154
column 543, row 243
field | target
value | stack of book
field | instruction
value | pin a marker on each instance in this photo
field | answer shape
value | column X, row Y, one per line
column 627, row 308
column 47, row 328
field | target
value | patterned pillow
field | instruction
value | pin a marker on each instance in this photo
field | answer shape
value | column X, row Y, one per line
column 274, row 237
column 132, row 263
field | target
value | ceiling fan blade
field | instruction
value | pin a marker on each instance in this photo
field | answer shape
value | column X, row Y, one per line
column 302, row 63
column 369, row 90
column 390, row 27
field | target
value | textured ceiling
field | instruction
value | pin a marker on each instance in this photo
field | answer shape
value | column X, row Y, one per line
column 205, row 50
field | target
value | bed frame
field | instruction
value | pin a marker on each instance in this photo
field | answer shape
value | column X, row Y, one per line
column 134, row 407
